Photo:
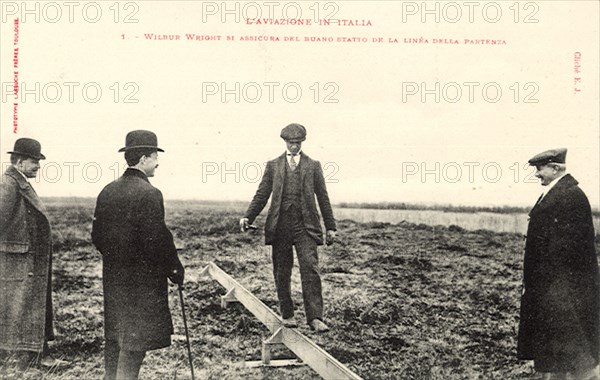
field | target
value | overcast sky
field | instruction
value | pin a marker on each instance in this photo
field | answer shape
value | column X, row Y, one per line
column 505, row 91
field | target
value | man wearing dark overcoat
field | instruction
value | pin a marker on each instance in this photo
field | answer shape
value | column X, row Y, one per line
column 25, row 256
column 294, row 179
column 138, row 256
column 25, row 260
column 559, row 327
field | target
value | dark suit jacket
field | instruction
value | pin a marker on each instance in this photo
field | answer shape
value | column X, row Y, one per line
column 312, row 182
column 138, row 253
column 26, row 266
column 560, row 306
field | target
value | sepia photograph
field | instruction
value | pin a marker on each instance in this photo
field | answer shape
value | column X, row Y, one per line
column 353, row 189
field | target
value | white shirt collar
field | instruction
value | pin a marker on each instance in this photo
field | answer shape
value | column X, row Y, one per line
column 21, row 173
column 297, row 157
column 549, row 187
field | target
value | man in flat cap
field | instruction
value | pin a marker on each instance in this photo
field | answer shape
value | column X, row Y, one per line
column 559, row 326
column 138, row 256
column 25, row 260
column 294, row 179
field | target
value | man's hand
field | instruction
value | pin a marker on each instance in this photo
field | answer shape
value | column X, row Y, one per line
column 177, row 275
column 244, row 224
column 330, row 237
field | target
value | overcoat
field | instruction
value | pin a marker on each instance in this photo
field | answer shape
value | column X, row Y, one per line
column 25, row 266
column 138, row 253
column 560, row 312
column 312, row 182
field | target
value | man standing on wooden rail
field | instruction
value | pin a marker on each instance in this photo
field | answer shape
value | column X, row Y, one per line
column 138, row 256
column 25, row 261
column 560, row 313
column 294, row 179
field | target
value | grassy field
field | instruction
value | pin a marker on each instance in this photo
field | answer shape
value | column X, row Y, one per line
column 405, row 301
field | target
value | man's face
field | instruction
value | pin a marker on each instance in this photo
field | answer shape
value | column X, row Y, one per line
column 546, row 174
column 149, row 164
column 29, row 166
column 293, row 146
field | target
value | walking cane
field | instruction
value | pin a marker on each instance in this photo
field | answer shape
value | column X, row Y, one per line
column 187, row 334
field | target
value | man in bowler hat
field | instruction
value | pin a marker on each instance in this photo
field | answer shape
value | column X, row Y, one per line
column 294, row 179
column 25, row 260
column 559, row 327
column 138, row 256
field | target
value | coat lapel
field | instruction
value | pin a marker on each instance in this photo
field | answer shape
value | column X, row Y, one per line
column 549, row 199
column 304, row 166
column 537, row 202
column 280, row 173
column 26, row 190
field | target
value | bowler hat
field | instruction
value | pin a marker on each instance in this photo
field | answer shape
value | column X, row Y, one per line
column 140, row 139
column 294, row 132
column 558, row 156
column 29, row 148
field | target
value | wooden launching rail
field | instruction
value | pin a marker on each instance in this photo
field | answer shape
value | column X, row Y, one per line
column 317, row 358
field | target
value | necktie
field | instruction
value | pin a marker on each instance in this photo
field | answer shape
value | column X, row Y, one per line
column 293, row 164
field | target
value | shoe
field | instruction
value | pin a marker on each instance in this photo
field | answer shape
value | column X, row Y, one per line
column 318, row 326
column 50, row 362
column 290, row 322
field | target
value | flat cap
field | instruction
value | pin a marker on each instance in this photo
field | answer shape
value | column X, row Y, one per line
column 294, row 132
column 558, row 156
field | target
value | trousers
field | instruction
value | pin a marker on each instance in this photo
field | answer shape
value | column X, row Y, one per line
column 121, row 364
column 292, row 233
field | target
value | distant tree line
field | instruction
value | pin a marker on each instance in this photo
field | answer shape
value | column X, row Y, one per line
column 440, row 207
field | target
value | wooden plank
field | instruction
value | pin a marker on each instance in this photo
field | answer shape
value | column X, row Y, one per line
column 263, row 313
column 318, row 359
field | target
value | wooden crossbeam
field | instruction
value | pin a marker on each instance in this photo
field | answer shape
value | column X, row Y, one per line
column 273, row 341
column 318, row 359
column 228, row 297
